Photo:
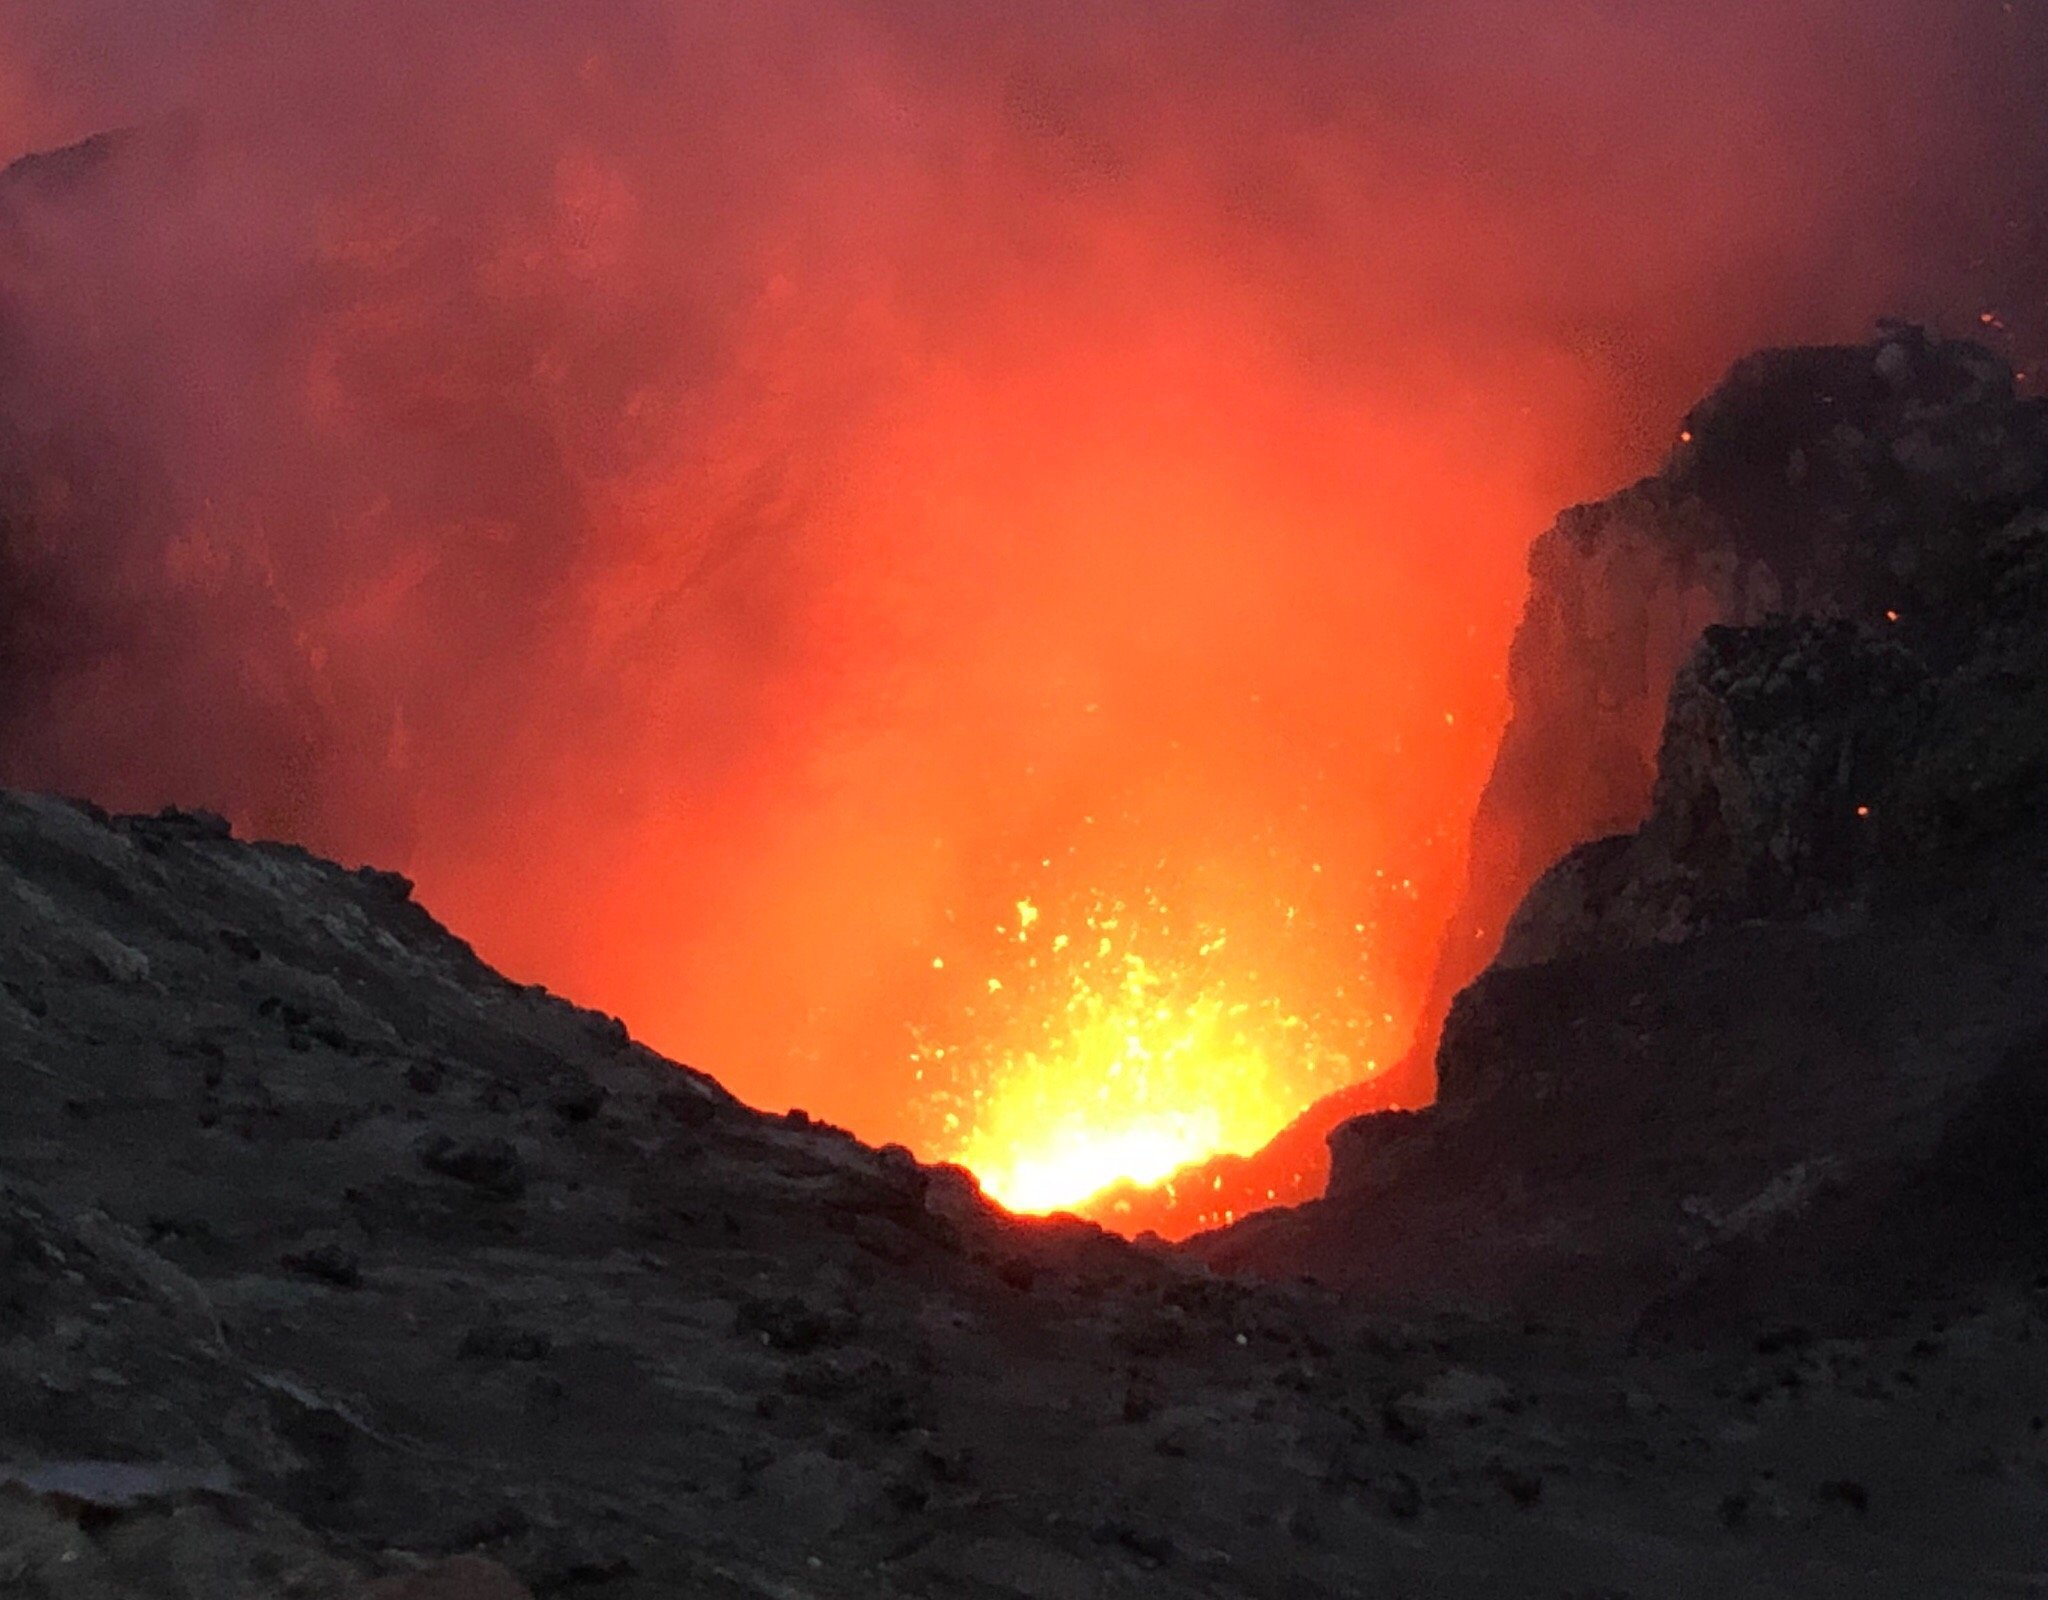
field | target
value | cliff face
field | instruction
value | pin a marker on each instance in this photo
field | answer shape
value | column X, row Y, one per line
column 1845, row 483
column 1800, row 1007
column 1896, row 720
column 1841, row 484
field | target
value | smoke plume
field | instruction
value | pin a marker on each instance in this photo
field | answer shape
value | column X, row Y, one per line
column 740, row 500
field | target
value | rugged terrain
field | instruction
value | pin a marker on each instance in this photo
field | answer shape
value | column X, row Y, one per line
column 329, row 1253
column 1810, row 983
column 328, row 1257
column 1778, row 1057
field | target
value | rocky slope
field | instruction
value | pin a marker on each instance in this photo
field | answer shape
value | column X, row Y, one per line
column 328, row 1258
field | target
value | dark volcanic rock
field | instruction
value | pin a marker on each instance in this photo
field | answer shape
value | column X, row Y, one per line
column 1782, row 754
column 1810, row 763
column 329, row 1261
column 249, row 1346
column 1861, row 484
column 1748, row 1055
column 492, row 1166
column 328, row 1285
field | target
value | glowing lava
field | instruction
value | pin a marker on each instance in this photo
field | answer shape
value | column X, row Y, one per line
column 1124, row 1066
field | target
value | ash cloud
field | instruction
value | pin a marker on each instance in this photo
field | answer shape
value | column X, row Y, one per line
column 725, row 494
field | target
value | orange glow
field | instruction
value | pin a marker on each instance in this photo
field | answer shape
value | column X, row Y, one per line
column 733, row 498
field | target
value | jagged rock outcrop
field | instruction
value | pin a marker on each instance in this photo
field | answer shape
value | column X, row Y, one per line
column 1780, row 752
column 1850, row 483
column 1777, row 1044
column 1847, row 485
column 1811, row 763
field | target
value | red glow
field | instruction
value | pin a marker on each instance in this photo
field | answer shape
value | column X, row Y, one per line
column 735, row 500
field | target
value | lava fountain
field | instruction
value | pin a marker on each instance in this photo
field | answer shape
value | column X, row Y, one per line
column 1124, row 1044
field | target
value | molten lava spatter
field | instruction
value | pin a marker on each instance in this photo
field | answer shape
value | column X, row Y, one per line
column 1120, row 1064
